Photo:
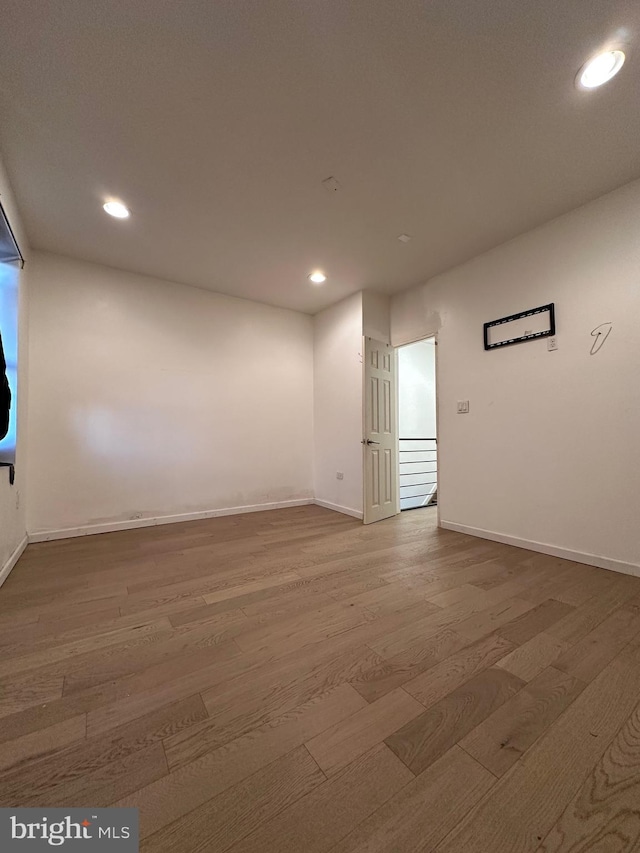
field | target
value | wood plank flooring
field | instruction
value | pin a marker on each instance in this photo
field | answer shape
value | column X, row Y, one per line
column 294, row 681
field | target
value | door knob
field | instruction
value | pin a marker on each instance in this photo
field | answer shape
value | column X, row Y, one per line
column 368, row 441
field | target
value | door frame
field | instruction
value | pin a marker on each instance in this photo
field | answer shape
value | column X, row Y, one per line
column 434, row 336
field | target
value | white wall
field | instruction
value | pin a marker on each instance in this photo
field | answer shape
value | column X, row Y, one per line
column 417, row 390
column 151, row 399
column 338, row 405
column 376, row 316
column 549, row 451
column 13, row 498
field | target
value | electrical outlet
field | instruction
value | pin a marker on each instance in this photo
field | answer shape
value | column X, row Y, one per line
column 463, row 407
column 339, row 475
column 552, row 344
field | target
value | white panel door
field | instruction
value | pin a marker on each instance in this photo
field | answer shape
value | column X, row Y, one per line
column 380, row 432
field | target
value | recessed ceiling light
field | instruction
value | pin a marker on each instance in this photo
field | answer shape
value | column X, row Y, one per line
column 317, row 277
column 600, row 69
column 117, row 209
column 404, row 238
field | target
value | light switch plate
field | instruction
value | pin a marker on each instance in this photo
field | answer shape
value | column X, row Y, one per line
column 463, row 407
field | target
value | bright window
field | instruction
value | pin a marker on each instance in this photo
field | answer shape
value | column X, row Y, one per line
column 9, row 274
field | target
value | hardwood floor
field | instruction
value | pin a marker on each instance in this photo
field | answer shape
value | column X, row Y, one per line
column 294, row 681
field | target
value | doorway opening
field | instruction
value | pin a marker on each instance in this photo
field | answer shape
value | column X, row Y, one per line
column 417, row 436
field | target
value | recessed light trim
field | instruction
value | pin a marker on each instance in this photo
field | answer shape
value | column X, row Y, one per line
column 600, row 69
column 317, row 277
column 117, row 209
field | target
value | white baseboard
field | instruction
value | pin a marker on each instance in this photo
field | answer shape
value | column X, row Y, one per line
column 130, row 524
column 542, row 548
column 13, row 559
column 345, row 510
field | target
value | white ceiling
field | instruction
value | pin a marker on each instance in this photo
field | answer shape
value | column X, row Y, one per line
column 455, row 121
